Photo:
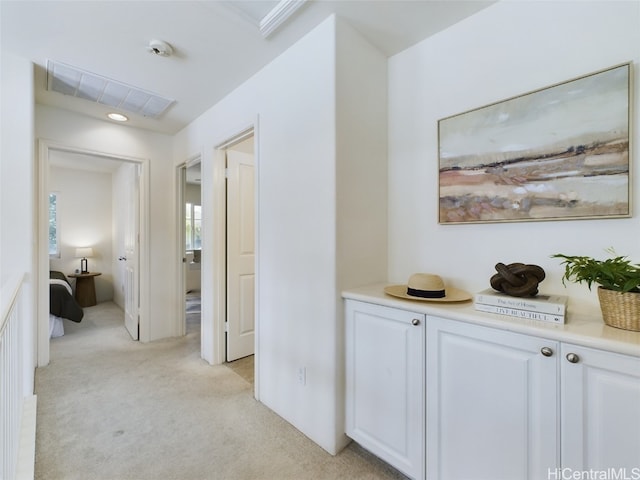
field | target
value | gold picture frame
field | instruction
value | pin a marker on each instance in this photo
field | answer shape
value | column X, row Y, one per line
column 557, row 153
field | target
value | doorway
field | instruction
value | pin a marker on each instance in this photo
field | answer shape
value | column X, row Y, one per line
column 137, row 290
column 214, row 260
column 240, row 251
column 190, row 245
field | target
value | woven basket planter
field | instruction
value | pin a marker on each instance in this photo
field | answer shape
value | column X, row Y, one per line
column 620, row 310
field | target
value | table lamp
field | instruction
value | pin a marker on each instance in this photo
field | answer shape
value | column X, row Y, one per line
column 83, row 253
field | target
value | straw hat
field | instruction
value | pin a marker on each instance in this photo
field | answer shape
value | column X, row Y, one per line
column 427, row 287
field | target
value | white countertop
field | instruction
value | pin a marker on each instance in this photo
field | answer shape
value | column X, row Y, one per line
column 585, row 330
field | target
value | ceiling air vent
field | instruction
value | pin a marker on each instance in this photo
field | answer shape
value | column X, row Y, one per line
column 78, row 83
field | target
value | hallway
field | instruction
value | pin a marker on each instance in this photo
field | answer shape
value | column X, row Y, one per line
column 110, row 408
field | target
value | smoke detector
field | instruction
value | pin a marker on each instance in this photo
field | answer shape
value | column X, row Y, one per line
column 161, row 48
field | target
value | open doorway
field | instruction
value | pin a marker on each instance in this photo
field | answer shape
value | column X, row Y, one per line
column 190, row 244
column 240, row 250
column 76, row 169
column 217, row 301
column 240, row 256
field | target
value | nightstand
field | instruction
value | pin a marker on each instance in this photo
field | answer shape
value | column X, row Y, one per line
column 85, row 288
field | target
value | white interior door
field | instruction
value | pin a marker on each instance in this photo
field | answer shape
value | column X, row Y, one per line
column 131, row 239
column 240, row 255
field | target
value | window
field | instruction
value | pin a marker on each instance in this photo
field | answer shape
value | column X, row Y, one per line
column 54, row 231
column 193, row 222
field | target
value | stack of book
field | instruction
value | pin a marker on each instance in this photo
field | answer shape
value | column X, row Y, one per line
column 546, row 308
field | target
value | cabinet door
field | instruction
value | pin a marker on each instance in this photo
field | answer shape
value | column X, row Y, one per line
column 492, row 401
column 385, row 384
column 600, row 410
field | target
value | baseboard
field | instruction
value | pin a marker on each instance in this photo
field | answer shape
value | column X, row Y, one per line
column 25, row 469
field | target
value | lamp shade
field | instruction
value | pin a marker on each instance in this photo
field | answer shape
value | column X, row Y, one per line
column 84, row 252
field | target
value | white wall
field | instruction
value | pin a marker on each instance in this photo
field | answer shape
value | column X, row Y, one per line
column 17, row 180
column 506, row 50
column 361, row 176
column 84, row 219
column 361, row 159
column 295, row 144
column 299, row 242
column 77, row 131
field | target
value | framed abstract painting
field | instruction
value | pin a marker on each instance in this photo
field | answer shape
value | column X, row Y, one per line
column 557, row 153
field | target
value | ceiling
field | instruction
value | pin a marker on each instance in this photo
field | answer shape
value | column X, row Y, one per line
column 216, row 45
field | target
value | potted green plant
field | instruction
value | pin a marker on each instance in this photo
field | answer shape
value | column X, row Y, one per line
column 618, row 283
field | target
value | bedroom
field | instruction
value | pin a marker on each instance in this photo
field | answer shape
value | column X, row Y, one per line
column 90, row 211
column 87, row 214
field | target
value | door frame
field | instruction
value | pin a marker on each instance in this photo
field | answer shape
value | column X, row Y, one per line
column 216, row 264
column 42, row 229
column 181, row 181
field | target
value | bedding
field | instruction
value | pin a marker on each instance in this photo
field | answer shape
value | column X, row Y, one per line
column 61, row 301
column 56, row 326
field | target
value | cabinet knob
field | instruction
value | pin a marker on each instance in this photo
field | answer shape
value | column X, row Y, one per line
column 415, row 322
column 546, row 351
column 573, row 358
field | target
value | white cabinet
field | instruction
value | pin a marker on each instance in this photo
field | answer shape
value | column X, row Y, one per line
column 385, row 384
column 600, row 410
column 504, row 405
column 492, row 403
column 444, row 393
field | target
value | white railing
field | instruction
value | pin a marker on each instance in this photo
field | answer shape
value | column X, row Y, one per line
column 11, row 376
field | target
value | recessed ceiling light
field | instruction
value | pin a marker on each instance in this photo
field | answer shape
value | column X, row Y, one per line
column 118, row 117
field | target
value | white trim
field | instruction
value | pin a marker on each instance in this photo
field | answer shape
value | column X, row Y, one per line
column 181, row 173
column 181, row 177
column 25, row 469
column 236, row 138
column 278, row 15
column 256, row 195
column 215, row 264
column 41, row 284
column 42, row 244
column 193, row 160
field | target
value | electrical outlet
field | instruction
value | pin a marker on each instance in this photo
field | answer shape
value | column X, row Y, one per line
column 302, row 375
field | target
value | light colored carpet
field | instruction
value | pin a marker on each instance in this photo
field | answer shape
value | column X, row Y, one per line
column 110, row 408
column 243, row 367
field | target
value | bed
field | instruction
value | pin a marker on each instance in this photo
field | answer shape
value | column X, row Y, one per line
column 62, row 304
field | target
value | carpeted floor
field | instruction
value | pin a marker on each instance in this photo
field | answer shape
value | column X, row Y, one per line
column 243, row 367
column 110, row 408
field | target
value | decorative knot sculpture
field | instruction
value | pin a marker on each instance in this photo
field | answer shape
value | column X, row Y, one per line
column 517, row 279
